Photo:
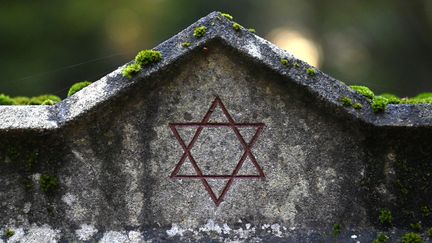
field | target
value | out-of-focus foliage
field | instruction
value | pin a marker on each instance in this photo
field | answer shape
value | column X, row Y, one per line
column 47, row 46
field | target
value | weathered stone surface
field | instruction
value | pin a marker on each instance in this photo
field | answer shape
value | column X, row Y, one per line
column 112, row 151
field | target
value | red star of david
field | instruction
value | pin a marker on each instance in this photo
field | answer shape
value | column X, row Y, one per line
column 247, row 146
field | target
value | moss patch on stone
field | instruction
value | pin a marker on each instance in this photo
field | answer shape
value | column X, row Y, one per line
column 284, row 61
column 39, row 100
column 186, row 44
column 412, row 238
column 392, row 99
column 416, row 226
column 236, row 26
column 337, row 229
column 385, row 217
column 9, row 233
column 6, row 100
column 311, row 72
column 382, row 238
column 131, row 70
column 346, row 101
column 252, row 30
column 200, row 31
column 21, row 100
column 146, row 57
column 357, row 106
column 228, row 16
column 48, row 183
column 379, row 104
column 77, row 87
column 363, row 90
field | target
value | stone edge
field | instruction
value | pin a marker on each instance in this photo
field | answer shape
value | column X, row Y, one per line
column 326, row 88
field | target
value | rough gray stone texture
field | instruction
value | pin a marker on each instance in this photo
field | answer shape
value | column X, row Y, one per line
column 112, row 152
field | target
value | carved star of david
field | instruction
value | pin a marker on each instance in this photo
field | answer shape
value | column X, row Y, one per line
column 247, row 151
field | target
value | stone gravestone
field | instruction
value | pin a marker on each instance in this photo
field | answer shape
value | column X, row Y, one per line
column 226, row 138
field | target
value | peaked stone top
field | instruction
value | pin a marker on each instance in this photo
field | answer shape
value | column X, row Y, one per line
column 327, row 89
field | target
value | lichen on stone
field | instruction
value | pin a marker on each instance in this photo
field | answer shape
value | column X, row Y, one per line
column 77, row 87
column 200, row 31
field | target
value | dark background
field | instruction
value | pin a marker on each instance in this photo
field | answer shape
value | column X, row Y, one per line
column 45, row 46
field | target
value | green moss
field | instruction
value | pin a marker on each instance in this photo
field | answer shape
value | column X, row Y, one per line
column 379, row 104
column 252, row 30
column 146, row 57
column 346, row 101
column 236, row 26
column 296, row 65
column 416, row 101
column 186, row 44
column 9, row 233
column 48, row 183
column 6, row 100
column 200, row 31
column 357, row 106
column 385, row 217
column 284, row 61
column 228, row 16
column 21, row 100
column 416, row 226
column 412, row 238
column 429, row 233
column 382, row 238
column 392, row 99
column 131, row 70
column 363, row 90
column 77, row 87
column 39, row 100
column 337, row 229
column 311, row 72
column 426, row 211
column 32, row 159
column 425, row 95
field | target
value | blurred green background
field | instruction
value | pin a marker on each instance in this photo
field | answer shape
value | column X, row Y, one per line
column 47, row 46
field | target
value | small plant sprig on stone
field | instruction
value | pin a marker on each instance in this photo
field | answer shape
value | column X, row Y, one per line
column 77, row 87
column 412, row 238
column 9, row 233
column 337, row 229
column 385, row 217
column 200, row 31
column 382, row 238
